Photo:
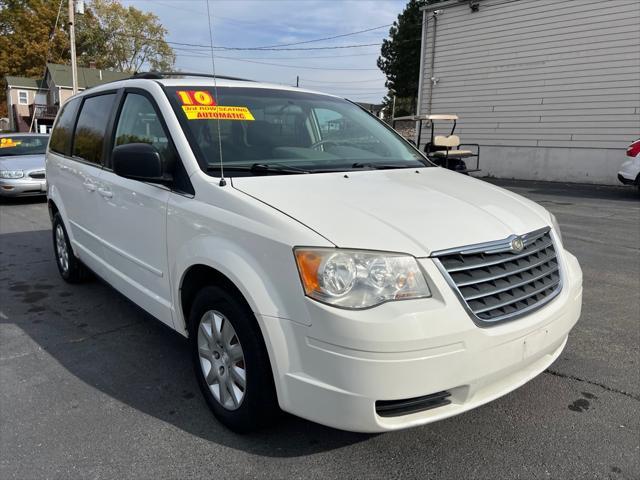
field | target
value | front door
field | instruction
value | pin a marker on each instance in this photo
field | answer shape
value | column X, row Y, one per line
column 134, row 215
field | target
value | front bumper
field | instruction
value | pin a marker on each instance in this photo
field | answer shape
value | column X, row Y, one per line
column 22, row 187
column 335, row 370
column 629, row 173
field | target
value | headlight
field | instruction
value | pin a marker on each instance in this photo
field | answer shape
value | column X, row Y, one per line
column 556, row 227
column 358, row 279
column 11, row 174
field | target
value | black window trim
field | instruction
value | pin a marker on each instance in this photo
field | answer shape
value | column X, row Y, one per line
column 75, row 124
column 112, row 126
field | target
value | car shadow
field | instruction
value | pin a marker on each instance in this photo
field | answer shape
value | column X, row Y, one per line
column 570, row 190
column 23, row 200
column 113, row 346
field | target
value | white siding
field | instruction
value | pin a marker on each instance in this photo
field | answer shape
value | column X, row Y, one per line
column 538, row 73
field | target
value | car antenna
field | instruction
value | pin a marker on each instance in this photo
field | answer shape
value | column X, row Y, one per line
column 223, row 182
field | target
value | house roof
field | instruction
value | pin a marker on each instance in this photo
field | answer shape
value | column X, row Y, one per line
column 23, row 82
column 371, row 106
column 87, row 77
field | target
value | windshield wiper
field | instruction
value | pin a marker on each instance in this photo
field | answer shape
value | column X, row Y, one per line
column 261, row 168
column 380, row 166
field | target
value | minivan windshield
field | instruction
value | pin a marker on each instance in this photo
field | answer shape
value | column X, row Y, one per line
column 261, row 131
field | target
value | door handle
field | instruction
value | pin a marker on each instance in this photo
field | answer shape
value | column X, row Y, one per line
column 105, row 193
column 89, row 186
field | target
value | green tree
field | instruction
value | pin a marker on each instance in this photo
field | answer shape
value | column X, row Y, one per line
column 400, row 58
column 109, row 34
column 123, row 38
column 27, row 38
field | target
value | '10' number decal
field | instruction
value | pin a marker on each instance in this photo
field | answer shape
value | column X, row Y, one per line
column 195, row 97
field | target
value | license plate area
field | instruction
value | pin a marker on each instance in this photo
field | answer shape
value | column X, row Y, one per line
column 535, row 342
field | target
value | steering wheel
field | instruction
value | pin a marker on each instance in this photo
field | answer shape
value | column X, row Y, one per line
column 323, row 142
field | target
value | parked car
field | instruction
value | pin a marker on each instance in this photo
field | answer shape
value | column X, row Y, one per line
column 22, row 169
column 317, row 262
column 629, row 173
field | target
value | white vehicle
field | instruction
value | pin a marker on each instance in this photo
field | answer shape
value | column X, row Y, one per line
column 629, row 173
column 318, row 262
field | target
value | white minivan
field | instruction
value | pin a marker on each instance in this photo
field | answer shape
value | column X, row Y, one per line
column 318, row 263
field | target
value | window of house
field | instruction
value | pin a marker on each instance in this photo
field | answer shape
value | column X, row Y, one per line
column 23, row 97
column 91, row 128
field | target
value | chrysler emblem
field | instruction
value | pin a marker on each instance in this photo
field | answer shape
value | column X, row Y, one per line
column 517, row 245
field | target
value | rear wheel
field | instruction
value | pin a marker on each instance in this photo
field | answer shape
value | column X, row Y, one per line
column 71, row 268
column 231, row 361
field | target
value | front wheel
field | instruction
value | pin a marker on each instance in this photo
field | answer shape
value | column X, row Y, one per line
column 71, row 268
column 231, row 361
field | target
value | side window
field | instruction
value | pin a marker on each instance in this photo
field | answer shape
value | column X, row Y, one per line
column 335, row 127
column 91, row 128
column 330, row 122
column 61, row 135
column 139, row 123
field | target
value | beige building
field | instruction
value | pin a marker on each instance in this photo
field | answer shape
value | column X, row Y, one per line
column 550, row 89
column 36, row 102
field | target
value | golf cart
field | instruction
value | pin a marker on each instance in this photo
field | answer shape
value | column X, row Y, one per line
column 445, row 150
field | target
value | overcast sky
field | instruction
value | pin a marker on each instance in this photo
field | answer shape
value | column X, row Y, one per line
column 349, row 72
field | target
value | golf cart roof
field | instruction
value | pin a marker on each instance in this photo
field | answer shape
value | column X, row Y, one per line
column 439, row 116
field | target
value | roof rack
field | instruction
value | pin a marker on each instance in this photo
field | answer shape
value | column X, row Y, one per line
column 158, row 75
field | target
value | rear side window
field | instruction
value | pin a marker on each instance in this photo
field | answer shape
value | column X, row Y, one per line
column 91, row 128
column 61, row 136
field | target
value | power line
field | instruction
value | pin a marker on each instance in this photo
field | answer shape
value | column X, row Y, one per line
column 296, row 66
column 46, row 59
column 247, row 48
column 195, row 54
column 338, row 82
column 327, row 38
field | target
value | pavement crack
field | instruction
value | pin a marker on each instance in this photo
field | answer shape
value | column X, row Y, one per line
column 99, row 334
column 590, row 382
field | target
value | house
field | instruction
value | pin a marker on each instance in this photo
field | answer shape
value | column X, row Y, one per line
column 23, row 95
column 550, row 89
column 374, row 108
column 33, row 100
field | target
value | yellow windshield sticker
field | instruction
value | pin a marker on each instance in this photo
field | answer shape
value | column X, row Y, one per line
column 8, row 142
column 216, row 112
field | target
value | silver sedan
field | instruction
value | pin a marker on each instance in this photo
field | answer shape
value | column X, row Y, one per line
column 22, row 164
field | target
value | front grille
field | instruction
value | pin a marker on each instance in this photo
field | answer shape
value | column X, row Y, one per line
column 396, row 408
column 38, row 175
column 497, row 282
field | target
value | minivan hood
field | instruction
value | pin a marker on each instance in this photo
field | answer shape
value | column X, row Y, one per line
column 407, row 210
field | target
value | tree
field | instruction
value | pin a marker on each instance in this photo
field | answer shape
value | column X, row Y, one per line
column 400, row 57
column 108, row 34
column 27, row 39
column 26, row 27
column 123, row 38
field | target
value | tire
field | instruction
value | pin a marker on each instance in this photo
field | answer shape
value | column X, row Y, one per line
column 71, row 269
column 221, row 355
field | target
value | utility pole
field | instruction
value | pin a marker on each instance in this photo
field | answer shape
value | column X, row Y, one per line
column 297, row 80
column 72, row 39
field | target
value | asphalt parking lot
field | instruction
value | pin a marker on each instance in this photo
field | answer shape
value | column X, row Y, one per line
column 92, row 387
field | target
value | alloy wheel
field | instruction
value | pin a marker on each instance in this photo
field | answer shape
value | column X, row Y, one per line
column 222, row 359
column 61, row 249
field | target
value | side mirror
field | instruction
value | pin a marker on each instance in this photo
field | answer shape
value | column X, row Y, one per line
column 139, row 161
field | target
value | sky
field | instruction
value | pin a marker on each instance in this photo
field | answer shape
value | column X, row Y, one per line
column 349, row 72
